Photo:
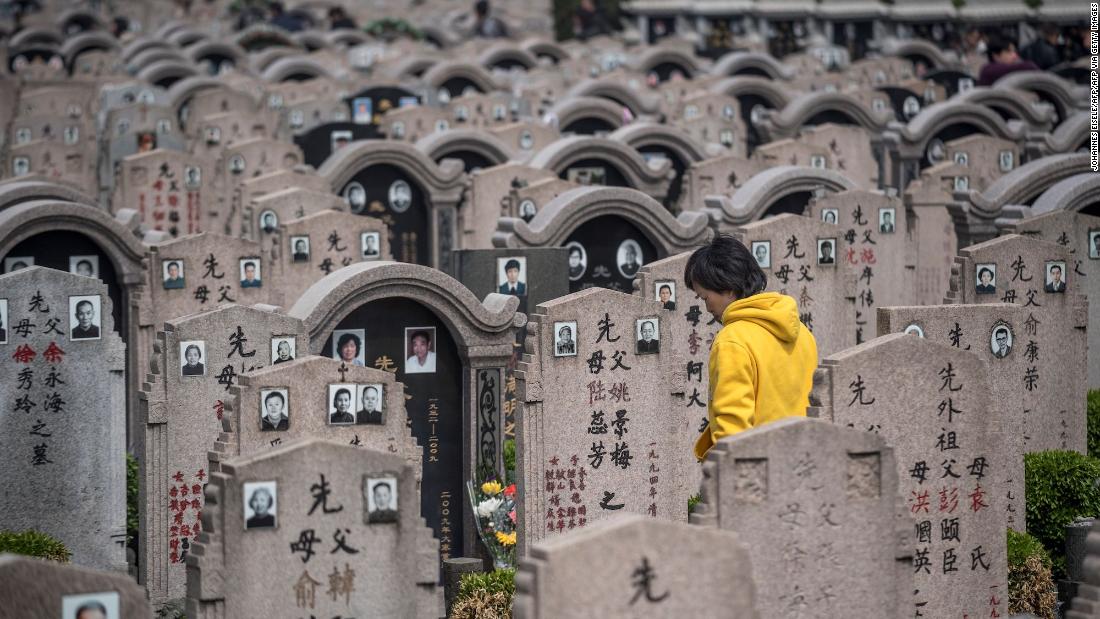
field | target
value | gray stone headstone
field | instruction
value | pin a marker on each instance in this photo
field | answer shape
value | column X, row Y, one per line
column 63, row 424
column 1087, row 603
column 632, row 566
column 39, row 588
column 302, row 530
column 167, row 188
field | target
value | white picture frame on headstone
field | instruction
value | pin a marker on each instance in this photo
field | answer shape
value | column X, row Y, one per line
column 21, row 166
column 399, row 196
column 370, row 245
column 341, row 404
column 830, row 215
column 356, row 196
column 647, row 332
column 962, row 158
column 1094, row 244
column 527, row 210
column 255, row 278
column 299, row 248
column 1006, row 160
column 345, row 342
column 1056, row 279
column 82, row 325
column 826, row 257
column 370, row 404
column 659, row 287
column 361, row 110
column 85, row 266
column 762, row 252
column 1001, row 339
column 420, row 354
column 16, row 263
column 887, row 220
column 236, row 164
column 989, row 284
column 915, row 329
column 269, row 221
column 274, row 409
column 629, row 258
column 339, row 139
column 103, row 605
column 261, row 505
column 381, row 507
column 577, row 260
column 192, row 359
column 192, row 177
column 565, row 338
column 284, row 348
column 4, row 321
column 504, row 284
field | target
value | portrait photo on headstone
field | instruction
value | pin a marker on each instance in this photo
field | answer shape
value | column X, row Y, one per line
column 3, row 321
column 361, row 110
column 283, row 348
column 299, row 248
column 250, row 273
column 84, row 317
column 420, row 350
column 527, row 210
column 339, row 139
column 886, row 218
column 71, row 135
column 826, row 251
column 172, row 273
column 986, row 277
column 146, row 141
column 260, row 504
column 649, row 336
column 512, row 275
column 400, row 196
column 15, row 263
column 236, row 164
column 1000, row 339
column 665, row 292
column 578, row 260
column 193, row 358
column 355, row 196
column 1007, row 160
column 817, row 161
column 829, row 215
column 341, row 398
column 274, row 409
column 961, row 158
column 269, row 221
column 762, row 251
column 1056, row 276
column 213, row 135
column 87, row 266
column 104, row 605
column 962, row 183
column 629, row 258
column 370, row 405
column 915, row 329
column 21, row 166
column 565, row 339
column 1094, row 244
column 347, row 346
column 380, row 499
column 369, row 243
column 192, row 177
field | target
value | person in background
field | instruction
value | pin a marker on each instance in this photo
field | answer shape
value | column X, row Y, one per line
column 589, row 21
column 1044, row 51
column 338, row 18
column 1003, row 60
column 485, row 25
column 282, row 19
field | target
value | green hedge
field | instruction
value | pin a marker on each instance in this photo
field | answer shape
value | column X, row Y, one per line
column 485, row 596
column 34, row 544
column 510, row 461
column 1031, row 586
column 1061, row 486
column 1094, row 423
column 132, row 473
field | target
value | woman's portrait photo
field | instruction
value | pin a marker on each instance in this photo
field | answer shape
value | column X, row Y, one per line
column 341, row 400
column 629, row 258
column 370, row 243
column 420, row 350
column 347, row 346
column 260, row 504
column 84, row 317
column 88, row 266
column 269, row 221
column 915, row 329
column 649, row 336
column 274, row 410
column 283, row 349
column 666, row 294
column 936, row 152
column 565, row 339
column 299, row 248
column 578, row 260
column 826, row 251
column 400, row 196
column 829, row 215
column 193, row 358
column 527, row 210
column 381, row 499
column 762, row 251
column 370, row 405
column 985, row 276
column 103, row 605
column 962, row 183
column 16, row 263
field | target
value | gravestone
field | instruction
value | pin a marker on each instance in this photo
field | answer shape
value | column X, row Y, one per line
column 808, row 260
column 167, row 189
column 644, row 567
column 492, row 193
column 39, row 588
column 284, row 205
column 313, row 521
column 951, row 462
column 717, row 175
column 313, row 246
column 986, row 158
column 64, row 422
column 930, row 199
column 196, row 361
column 595, row 438
column 817, row 506
column 1022, row 272
column 1086, row 605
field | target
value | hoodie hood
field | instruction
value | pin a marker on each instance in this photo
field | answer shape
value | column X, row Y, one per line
column 776, row 313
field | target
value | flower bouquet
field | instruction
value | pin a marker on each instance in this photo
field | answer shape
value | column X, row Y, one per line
column 494, row 508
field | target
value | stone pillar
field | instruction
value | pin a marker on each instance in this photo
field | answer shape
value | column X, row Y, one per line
column 453, row 571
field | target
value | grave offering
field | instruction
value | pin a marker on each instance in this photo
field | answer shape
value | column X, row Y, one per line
column 39, row 588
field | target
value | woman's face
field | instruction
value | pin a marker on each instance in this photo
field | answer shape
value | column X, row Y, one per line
column 574, row 258
column 349, row 351
column 343, row 402
column 986, row 277
column 284, row 350
column 192, row 356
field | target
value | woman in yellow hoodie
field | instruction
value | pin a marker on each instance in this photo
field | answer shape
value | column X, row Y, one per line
column 762, row 362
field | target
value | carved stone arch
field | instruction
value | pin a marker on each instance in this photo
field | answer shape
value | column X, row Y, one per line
column 415, row 65
column 445, row 71
column 1071, row 135
column 184, row 90
column 88, row 41
column 154, row 55
column 185, row 37
column 295, row 68
column 803, row 109
column 19, row 191
column 139, row 45
column 80, row 15
column 168, row 28
column 507, row 53
column 311, row 40
column 1080, row 193
column 641, row 134
column 1025, row 184
column 754, row 199
column 1064, row 95
column 654, row 57
column 912, row 49
column 441, row 144
column 639, row 174
column 263, row 59
column 620, row 93
column 346, row 37
column 262, row 36
column 1010, row 104
column 935, row 118
column 574, row 109
column 541, row 48
column 751, row 64
column 437, row 36
column 35, row 37
column 557, row 220
column 164, row 73
column 201, row 50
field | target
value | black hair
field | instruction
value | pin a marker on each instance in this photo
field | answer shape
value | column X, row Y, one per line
column 380, row 484
column 85, row 302
column 348, row 337
column 1056, row 266
column 995, row 45
column 725, row 265
column 482, row 7
column 985, row 270
column 423, row 334
column 1000, row 330
column 84, row 262
column 174, row 264
column 664, row 287
column 250, row 264
column 275, row 394
column 337, row 394
column 511, row 264
column 188, row 349
column 92, row 605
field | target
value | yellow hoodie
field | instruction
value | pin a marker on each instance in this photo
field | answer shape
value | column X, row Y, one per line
column 761, row 367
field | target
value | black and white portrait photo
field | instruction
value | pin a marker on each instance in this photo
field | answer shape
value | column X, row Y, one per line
column 347, row 346
column 420, row 350
column 341, row 403
column 1007, row 160
column 269, row 221
column 15, row 263
column 578, row 260
column 71, row 135
column 527, row 210
column 20, row 166
column 381, row 499
column 283, row 349
column 985, row 276
column 666, row 294
column 829, row 215
column 649, row 336
column 3, row 321
column 397, row 130
column 565, row 339
column 915, row 329
column 1056, row 276
column 297, row 119
column 22, row 135
column 594, row 175
column 213, row 135
column 817, row 161
column 84, row 317
column 369, row 243
column 1094, row 244
column 299, row 248
column 462, row 114
column 193, row 358
column 961, row 158
column 442, row 125
column 400, row 196
column 236, row 164
column 935, row 152
column 103, row 605
column 512, row 275
column 526, row 141
column 762, row 251
column 725, row 137
column 370, row 405
column 260, row 504
column 274, row 410
column 629, row 258
column 172, row 273
column 886, row 219
column 250, row 273
column 910, row 107
column 339, row 139
column 1000, row 340
column 192, row 177
column 826, row 251
column 356, row 197
column 87, row 266
column 962, row 183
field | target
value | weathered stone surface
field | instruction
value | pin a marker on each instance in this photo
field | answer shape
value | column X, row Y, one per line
column 39, row 588
column 167, row 189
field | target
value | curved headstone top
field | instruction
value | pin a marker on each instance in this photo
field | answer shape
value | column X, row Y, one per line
column 763, row 189
column 1025, row 183
column 649, row 177
column 1016, row 103
column 735, row 63
column 442, row 72
column 804, row 107
column 658, row 55
column 907, row 48
column 1075, row 193
column 506, row 52
column 17, row 191
column 294, row 68
column 618, row 92
column 342, row 165
column 440, row 144
column 926, row 124
column 642, row 134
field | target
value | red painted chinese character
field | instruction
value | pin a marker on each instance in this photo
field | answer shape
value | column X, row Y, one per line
column 195, row 504
column 852, row 256
column 24, row 354
column 976, row 502
column 53, row 353
column 196, row 489
column 178, row 476
column 172, row 492
column 949, row 500
column 919, row 501
column 201, row 474
column 219, row 408
column 867, row 256
column 185, row 531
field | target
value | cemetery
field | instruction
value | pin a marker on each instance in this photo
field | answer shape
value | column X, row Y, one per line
column 549, row 309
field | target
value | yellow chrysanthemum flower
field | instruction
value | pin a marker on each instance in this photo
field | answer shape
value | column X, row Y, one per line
column 506, row 539
column 491, row 487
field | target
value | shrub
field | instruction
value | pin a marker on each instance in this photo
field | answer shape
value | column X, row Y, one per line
column 132, row 473
column 1060, row 487
column 485, row 596
column 510, row 461
column 1031, row 586
column 693, row 500
column 1094, row 423
column 34, row 544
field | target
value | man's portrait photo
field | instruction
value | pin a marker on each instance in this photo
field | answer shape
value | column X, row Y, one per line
column 986, row 277
column 269, row 221
column 1056, row 276
column 1007, row 160
column 13, row 264
column 356, row 197
column 103, row 605
column 817, row 161
column 22, row 135
column 259, row 504
column 236, row 164
column 88, row 266
column 565, row 339
column 370, row 405
column 370, row 242
column 961, row 158
column 299, row 248
column 20, row 166
column 193, row 358
column 192, row 177
column 420, row 350
column 762, row 251
column 1000, row 341
column 283, row 349
column 381, row 499
column 84, row 317
column 213, row 135
column 339, row 139
column 886, row 218
column 462, row 114
column 347, row 346
column 1094, row 244
column 915, row 329
column 512, row 275
column 526, row 141
column 910, row 107
column 649, row 336
column 400, row 196
column 936, row 151
column 341, row 398
column 629, row 258
column 527, row 210
column 826, row 251
column 397, row 130
column 172, row 273
column 250, row 273
column 3, row 321
column 362, row 110
column 578, row 260
column 829, row 215
column 274, row 410
column 666, row 294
